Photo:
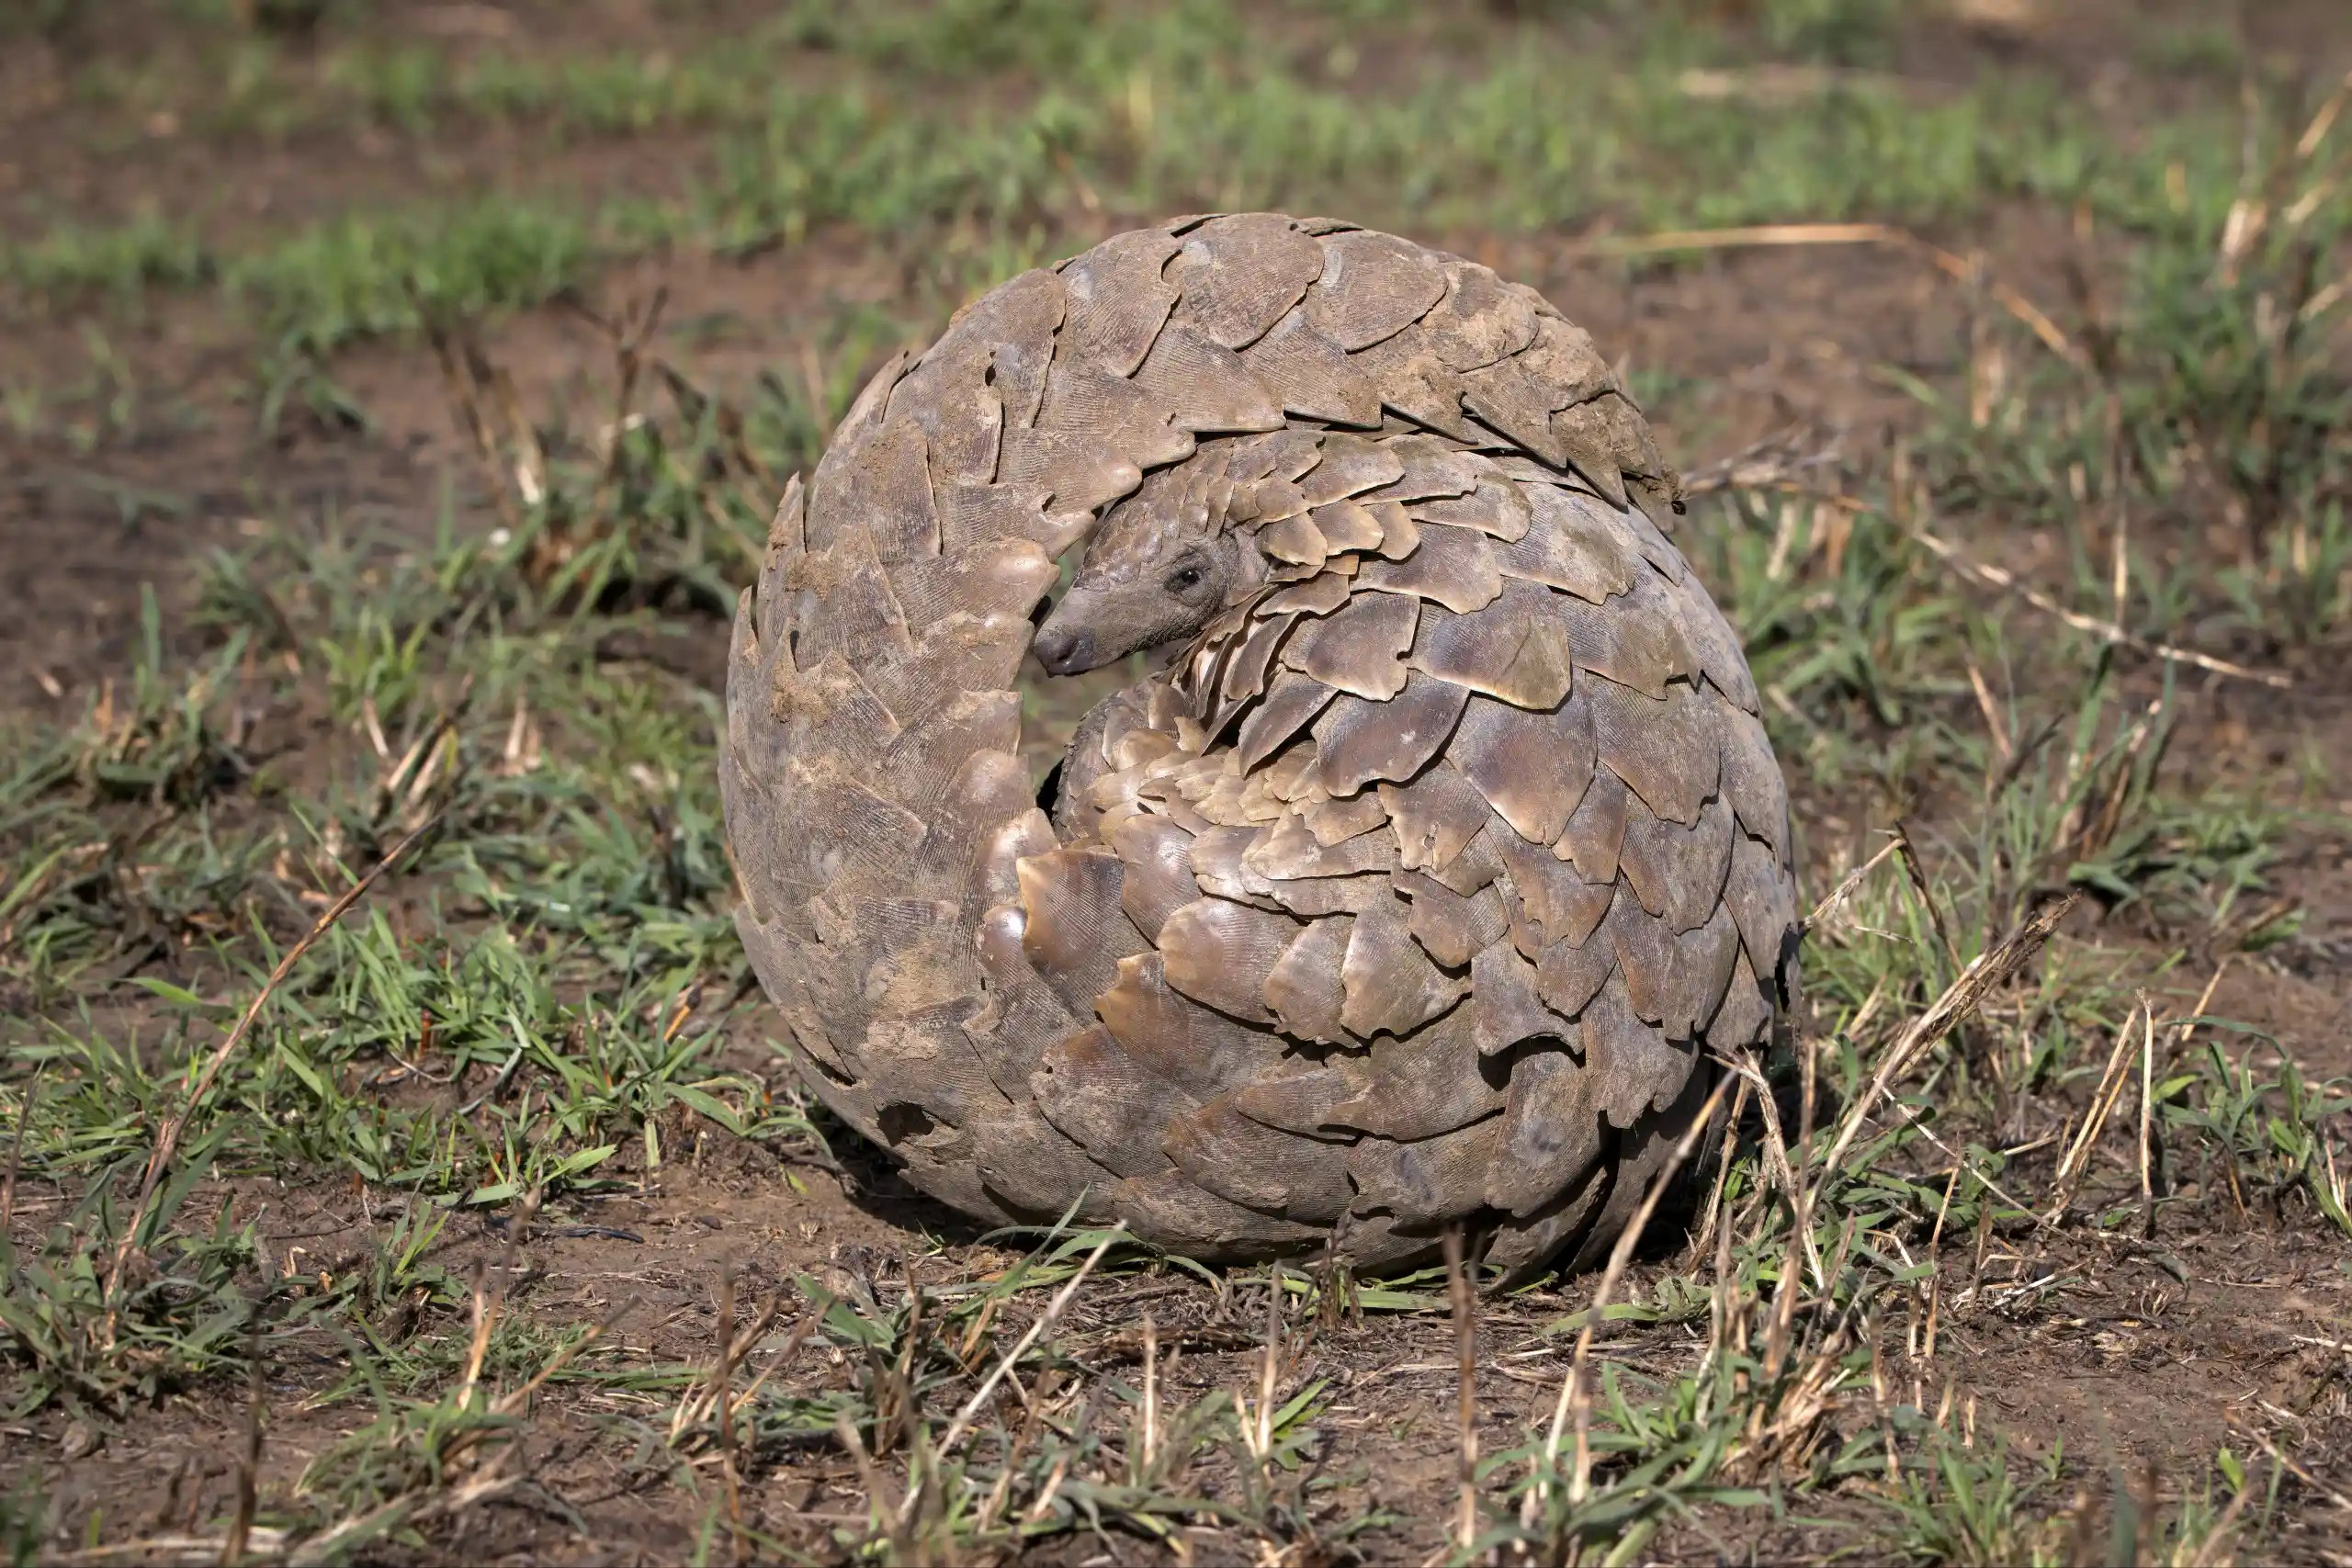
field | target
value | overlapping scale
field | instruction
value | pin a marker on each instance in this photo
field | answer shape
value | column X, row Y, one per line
column 1411, row 898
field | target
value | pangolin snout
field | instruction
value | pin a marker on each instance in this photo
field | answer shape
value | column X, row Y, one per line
column 1063, row 651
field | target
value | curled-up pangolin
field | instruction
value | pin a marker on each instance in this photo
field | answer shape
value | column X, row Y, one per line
column 1415, row 892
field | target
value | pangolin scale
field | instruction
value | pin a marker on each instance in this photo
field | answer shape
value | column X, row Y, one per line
column 1416, row 892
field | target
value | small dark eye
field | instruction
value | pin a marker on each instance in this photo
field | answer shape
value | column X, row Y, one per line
column 1182, row 578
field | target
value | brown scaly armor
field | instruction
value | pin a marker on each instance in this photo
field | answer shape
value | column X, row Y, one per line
column 1415, row 892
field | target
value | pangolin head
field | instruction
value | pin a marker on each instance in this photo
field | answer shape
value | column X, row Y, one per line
column 1157, row 569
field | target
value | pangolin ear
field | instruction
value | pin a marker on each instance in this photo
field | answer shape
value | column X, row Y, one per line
column 1247, row 566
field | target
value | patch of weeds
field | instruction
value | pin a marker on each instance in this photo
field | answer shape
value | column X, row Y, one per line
column 417, row 90
column 1085, row 1452
column 2210, row 1522
column 109, row 405
column 514, row 1348
column 460, row 1062
column 423, row 1460
column 2200, row 48
column 652, row 508
column 2094, row 815
column 2303, row 581
column 2203, row 396
column 294, row 377
column 2272, row 1135
column 157, row 740
column 26, row 406
column 399, row 1278
column 1126, row 111
column 366, row 275
column 1779, row 1400
column 109, row 832
column 25, row 1521
column 957, row 37
column 1955, row 1501
column 117, row 264
column 2192, row 862
column 80, row 1330
column 1874, row 674
column 552, row 1089
column 1838, row 32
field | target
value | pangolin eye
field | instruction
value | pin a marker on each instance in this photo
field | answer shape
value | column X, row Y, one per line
column 1182, row 578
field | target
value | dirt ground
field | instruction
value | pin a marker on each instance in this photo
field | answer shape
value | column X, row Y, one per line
column 2114, row 1350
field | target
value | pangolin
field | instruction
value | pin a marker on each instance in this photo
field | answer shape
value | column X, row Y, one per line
column 1417, row 892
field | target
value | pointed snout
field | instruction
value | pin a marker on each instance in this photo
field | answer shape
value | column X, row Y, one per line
column 1064, row 651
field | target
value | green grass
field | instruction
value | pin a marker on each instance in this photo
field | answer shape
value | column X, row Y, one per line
column 363, row 275
column 907, row 129
column 116, row 264
column 412, row 89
